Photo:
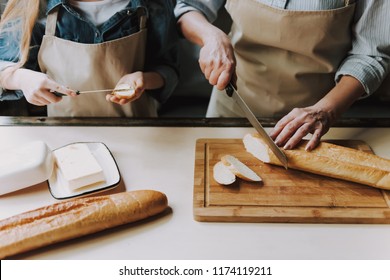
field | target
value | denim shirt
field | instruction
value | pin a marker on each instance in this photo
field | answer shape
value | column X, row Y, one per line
column 161, row 46
column 368, row 60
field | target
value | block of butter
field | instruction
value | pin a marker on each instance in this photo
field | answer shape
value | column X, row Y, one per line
column 78, row 166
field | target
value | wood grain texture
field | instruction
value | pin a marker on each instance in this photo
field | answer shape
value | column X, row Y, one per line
column 283, row 196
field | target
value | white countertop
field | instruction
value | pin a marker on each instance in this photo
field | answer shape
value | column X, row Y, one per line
column 163, row 159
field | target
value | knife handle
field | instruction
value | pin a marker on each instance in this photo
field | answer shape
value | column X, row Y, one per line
column 229, row 90
column 56, row 93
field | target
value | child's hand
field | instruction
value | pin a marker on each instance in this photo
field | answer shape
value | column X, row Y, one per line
column 136, row 81
column 39, row 89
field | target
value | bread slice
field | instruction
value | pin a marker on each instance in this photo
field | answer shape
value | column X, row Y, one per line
column 329, row 160
column 240, row 169
column 222, row 174
column 226, row 170
column 123, row 91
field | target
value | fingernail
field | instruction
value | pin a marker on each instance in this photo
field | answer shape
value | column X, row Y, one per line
column 287, row 147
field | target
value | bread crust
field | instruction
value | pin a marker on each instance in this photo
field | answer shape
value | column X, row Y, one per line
column 333, row 161
column 74, row 218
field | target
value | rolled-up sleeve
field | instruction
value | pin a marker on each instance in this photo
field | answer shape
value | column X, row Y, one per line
column 369, row 59
column 9, row 55
column 4, row 65
column 171, row 79
column 8, row 95
column 209, row 8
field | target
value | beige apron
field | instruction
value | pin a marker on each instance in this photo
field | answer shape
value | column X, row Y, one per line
column 92, row 67
column 285, row 58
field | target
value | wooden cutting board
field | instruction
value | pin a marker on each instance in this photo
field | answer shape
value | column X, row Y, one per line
column 284, row 195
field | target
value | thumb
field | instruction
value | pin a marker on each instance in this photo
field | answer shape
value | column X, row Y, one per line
column 55, row 87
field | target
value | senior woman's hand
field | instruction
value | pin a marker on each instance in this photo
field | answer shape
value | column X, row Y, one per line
column 290, row 130
column 216, row 58
column 317, row 119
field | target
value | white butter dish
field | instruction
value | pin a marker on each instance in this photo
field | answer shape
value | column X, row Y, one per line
column 59, row 186
column 24, row 166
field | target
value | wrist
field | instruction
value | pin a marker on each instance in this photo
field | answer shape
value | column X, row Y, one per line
column 341, row 97
column 329, row 109
column 153, row 80
column 11, row 78
column 212, row 35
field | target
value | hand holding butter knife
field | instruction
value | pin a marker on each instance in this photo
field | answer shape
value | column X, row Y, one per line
column 233, row 93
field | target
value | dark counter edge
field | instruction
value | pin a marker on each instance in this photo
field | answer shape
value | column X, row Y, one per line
column 172, row 122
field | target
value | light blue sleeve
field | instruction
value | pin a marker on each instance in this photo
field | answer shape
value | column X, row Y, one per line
column 369, row 59
column 209, row 8
column 9, row 55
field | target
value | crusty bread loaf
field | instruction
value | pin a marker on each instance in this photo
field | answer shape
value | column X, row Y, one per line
column 74, row 218
column 329, row 160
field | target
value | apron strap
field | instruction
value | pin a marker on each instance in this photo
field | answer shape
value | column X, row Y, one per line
column 142, row 22
column 143, row 17
column 51, row 22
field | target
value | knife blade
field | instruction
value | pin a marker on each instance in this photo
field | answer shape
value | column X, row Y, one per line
column 233, row 93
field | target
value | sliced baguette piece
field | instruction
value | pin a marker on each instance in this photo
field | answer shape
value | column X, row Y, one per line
column 329, row 160
column 222, row 174
column 75, row 218
column 240, row 169
column 123, row 91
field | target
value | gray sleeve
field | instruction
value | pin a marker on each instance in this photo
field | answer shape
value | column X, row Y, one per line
column 209, row 8
column 369, row 59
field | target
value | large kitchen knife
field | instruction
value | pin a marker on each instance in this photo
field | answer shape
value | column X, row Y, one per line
column 233, row 93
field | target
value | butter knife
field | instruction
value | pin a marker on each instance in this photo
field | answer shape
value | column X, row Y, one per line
column 233, row 93
column 90, row 91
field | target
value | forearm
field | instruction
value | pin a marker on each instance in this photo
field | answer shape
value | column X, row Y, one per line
column 153, row 80
column 341, row 97
column 195, row 27
column 11, row 79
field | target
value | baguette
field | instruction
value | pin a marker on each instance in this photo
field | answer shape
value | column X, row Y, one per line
column 75, row 218
column 329, row 160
